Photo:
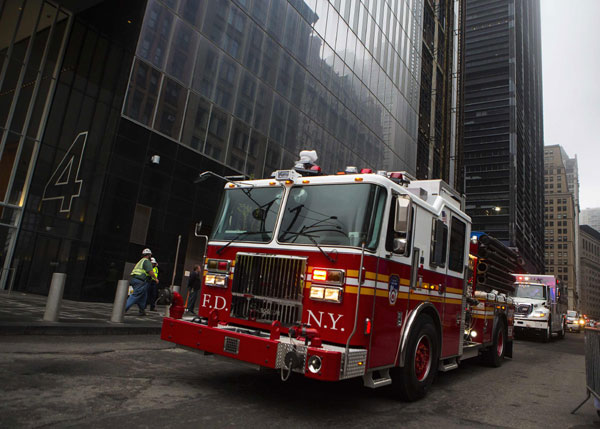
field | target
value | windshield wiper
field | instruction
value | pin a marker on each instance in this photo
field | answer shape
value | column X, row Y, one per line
column 241, row 234
column 312, row 239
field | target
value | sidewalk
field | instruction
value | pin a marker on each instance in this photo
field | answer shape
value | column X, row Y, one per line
column 22, row 313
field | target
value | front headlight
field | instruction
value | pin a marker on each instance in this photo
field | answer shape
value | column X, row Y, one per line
column 539, row 313
column 216, row 280
column 324, row 293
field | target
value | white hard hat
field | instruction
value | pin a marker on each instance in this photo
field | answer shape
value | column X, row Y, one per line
column 153, row 261
column 146, row 252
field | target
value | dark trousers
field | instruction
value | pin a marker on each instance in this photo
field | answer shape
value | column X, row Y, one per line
column 192, row 299
column 139, row 295
column 152, row 294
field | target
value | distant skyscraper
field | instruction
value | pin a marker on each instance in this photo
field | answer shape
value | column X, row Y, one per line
column 590, row 217
column 590, row 271
column 503, row 127
column 560, row 221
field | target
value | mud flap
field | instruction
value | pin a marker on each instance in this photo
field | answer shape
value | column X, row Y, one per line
column 509, row 349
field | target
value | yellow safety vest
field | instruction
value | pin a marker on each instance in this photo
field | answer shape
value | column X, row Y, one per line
column 138, row 270
column 155, row 269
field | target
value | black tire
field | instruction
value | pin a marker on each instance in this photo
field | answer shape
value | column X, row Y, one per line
column 494, row 355
column 547, row 334
column 414, row 379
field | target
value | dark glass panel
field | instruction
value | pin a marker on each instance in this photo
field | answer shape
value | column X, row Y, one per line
column 196, row 122
column 155, row 34
column 227, row 81
column 235, row 33
column 218, row 134
column 205, row 73
column 262, row 108
column 216, row 20
column 252, row 48
column 278, row 118
column 142, row 93
column 256, row 155
column 182, row 52
column 273, row 158
column 169, row 114
column 270, row 61
column 259, row 11
column 193, row 11
column 238, row 145
column 284, row 75
column 246, row 95
column 276, row 19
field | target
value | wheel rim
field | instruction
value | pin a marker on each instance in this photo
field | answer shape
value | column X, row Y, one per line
column 500, row 343
column 422, row 358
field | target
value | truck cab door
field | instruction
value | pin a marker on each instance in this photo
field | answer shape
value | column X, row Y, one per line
column 390, row 302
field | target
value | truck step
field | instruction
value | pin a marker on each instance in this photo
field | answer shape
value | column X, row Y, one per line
column 383, row 380
column 448, row 366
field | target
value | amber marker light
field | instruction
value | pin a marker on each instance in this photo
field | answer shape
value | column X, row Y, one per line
column 358, row 179
column 306, row 181
column 272, row 183
column 231, row 185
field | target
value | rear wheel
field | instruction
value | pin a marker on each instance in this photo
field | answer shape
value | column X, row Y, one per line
column 494, row 355
column 421, row 362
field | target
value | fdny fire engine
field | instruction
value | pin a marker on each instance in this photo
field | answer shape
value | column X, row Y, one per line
column 358, row 274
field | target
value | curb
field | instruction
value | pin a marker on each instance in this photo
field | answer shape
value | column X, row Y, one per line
column 76, row 329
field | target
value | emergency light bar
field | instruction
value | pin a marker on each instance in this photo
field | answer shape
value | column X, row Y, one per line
column 282, row 175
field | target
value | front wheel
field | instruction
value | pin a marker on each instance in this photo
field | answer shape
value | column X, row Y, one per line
column 495, row 354
column 414, row 379
column 547, row 334
column 562, row 331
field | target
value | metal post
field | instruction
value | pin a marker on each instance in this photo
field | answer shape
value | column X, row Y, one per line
column 175, row 266
column 55, row 295
column 118, row 312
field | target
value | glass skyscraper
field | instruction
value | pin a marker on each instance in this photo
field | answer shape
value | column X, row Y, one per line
column 503, row 124
column 136, row 98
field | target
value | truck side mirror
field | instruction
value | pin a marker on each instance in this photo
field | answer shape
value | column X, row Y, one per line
column 402, row 225
column 402, row 218
column 399, row 245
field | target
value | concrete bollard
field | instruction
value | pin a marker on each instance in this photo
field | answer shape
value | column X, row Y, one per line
column 55, row 294
column 118, row 312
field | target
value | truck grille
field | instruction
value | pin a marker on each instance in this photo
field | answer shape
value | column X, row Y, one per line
column 268, row 288
column 523, row 309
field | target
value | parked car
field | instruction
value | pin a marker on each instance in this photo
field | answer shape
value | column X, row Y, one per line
column 574, row 321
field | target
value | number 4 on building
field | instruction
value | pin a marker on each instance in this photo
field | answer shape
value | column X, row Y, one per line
column 65, row 184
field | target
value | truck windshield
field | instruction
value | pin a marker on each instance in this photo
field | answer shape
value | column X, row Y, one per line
column 530, row 291
column 571, row 313
column 335, row 215
column 248, row 214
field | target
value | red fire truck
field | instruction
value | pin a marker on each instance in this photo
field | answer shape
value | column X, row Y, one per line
column 358, row 274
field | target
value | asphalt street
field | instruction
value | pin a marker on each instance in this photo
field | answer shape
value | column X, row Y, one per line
column 140, row 381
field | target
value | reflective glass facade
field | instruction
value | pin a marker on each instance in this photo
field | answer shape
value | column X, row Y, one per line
column 135, row 98
column 251, row 83
column 503, row 126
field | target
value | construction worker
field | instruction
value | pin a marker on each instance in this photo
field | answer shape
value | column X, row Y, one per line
column 141, row 276
column 153, row 286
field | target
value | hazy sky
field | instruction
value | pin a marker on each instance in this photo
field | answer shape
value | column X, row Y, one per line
column 571, row 76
